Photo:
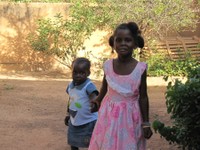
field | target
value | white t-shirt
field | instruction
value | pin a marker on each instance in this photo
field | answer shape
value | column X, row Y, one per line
column 79, row 103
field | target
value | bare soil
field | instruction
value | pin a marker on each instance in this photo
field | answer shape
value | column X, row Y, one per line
column 32, row 111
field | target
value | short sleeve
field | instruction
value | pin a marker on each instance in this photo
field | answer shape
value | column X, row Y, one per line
column 144, row 67
column 106, row 66
column 67, row 89
column 91, row 88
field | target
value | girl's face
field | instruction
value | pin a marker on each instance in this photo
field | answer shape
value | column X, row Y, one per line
column 79, row 73
column 124, row 42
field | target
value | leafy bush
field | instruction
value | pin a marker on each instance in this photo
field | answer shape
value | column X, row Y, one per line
column 183, row 103
column 65, row 37
column 160, row 65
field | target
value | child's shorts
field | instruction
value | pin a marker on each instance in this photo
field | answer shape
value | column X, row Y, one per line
column 80, row 136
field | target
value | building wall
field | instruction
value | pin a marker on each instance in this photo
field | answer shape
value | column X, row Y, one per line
column 17, row 20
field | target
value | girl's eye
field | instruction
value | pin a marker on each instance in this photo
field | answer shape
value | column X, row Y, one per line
column 128, row 39
column 118, row 40
column 81, row 73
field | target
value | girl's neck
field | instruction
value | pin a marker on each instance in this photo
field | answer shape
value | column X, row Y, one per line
column 125, row 59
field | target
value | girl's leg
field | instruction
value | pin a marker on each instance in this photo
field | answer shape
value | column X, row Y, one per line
column 74, row 148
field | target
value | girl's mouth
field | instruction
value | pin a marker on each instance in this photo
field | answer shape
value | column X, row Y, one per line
column 122, row 50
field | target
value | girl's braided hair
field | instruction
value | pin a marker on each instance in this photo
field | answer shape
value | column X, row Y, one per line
column 134, row 29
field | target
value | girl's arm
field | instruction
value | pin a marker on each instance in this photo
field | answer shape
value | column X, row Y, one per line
column 144, row 106
column 144, row 100
column 97, row 102
column 103, row 90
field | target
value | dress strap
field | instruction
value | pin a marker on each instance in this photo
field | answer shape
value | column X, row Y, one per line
column 142, row 66
column 107, row 66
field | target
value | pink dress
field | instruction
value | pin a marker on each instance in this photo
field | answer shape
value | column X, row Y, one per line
column 119, row 123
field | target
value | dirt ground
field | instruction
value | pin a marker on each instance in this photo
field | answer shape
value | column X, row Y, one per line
column 32, row 111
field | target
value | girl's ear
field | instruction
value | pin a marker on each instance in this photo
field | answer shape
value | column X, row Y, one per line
column 88, row 73
column 113, row 50
column 135, row 46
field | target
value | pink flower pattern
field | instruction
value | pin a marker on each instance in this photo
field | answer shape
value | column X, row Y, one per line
column 119, row 124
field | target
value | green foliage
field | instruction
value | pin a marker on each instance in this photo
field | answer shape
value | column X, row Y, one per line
column 156, row 65
column 169, row 133
column 99, row 72
column 156, row 17
column 64, row 38
column 161, row 65
column 183, row 103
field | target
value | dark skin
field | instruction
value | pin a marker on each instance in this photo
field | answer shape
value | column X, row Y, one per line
column 124, row 64
column 79, row 74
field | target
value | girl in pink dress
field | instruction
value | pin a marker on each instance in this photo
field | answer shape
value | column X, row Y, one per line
column 123, row 122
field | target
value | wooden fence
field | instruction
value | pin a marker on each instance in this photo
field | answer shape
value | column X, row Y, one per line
column 176, row 48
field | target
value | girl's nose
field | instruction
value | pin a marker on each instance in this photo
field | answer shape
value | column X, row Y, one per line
column 78, row 75
column 123, row 42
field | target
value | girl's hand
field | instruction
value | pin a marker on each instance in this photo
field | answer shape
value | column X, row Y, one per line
column 94, row 106
column 147, row 132
column 67, row 120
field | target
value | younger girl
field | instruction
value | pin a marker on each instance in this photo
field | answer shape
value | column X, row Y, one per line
column 123, row 122
column 81, row 91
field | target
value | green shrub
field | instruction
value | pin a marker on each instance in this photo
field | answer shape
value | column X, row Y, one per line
column 160, row 65
column 183, row 103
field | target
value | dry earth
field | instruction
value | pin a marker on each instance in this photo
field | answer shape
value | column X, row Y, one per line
column 32, row 110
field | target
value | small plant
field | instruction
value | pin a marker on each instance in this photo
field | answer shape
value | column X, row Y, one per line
column 8, row 87
column 183, row 103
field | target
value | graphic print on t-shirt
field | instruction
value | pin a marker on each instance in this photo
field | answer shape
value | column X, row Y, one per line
column 72, row 112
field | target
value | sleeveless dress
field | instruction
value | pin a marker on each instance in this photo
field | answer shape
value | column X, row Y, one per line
column 119, row 122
